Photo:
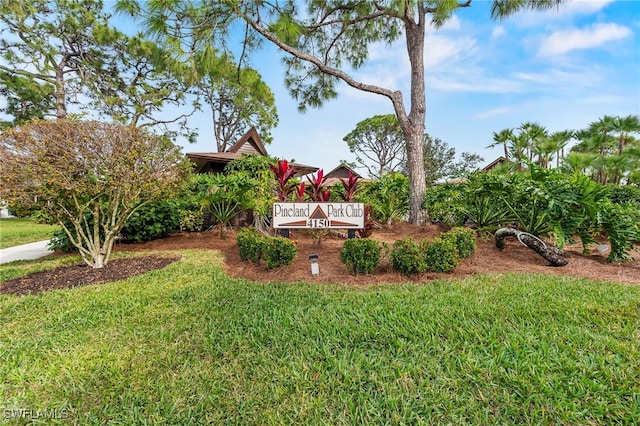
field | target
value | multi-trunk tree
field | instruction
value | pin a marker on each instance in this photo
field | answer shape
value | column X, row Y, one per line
column 89, row 176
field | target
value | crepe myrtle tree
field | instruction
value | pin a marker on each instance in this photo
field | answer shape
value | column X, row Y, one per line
column 89, row 174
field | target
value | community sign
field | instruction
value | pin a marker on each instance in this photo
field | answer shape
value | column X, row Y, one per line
column 318, row 215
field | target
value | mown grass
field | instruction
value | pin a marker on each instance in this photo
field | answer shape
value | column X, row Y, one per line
column 16, row 231
column 189, row 345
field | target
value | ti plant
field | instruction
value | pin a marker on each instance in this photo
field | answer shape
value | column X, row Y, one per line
column 316, row 190
column 300, row 192
column 283, row 172
column 350, row 186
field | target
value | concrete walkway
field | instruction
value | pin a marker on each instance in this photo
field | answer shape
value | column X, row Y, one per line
column 25, row 252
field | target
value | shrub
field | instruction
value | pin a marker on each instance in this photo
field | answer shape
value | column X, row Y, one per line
column 624, row 194
column 191, row 220
column 152, row 221
column 388, row 197
column 276, row 251
column 440, row 255
column 361, row 256
column 279, row 251
column 250, row 243
column 61, row 241
column 407, row 257
column 621, row 222
column 464, row 240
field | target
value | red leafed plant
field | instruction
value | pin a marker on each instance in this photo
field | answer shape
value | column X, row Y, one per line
column 316, row 190
column 283, row 172
column 300, row 192
column 350, row 186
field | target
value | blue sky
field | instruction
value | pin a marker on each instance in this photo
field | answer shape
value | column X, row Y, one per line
column 563, row 69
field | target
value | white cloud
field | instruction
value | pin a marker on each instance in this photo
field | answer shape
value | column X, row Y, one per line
column 389, row 65
column 440, row 50
column 564, row 41
column 560, row 78
column 495, row 112
column 498, row 31
column 575, row 7
column 528, row 18
column 470, row 82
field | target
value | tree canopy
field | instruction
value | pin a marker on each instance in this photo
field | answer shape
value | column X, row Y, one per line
column 93, row 175
column 378, row 144
column 325, row 39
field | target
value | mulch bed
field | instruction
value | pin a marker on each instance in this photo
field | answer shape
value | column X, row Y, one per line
column 78, row 275
column 487, row 259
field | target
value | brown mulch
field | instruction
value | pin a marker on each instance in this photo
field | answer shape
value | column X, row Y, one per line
column 79, row 275
column 487, row 259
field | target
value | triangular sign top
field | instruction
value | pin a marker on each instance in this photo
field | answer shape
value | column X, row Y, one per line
column 318, row 213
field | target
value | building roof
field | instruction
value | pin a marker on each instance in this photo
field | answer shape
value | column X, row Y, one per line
column 495, row 163
column 341, row 172
column 250, row 143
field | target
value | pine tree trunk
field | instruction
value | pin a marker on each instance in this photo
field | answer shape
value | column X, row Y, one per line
column 550, row 253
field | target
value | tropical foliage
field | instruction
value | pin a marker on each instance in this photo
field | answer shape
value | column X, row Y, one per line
column 540, row 201
column 606, row 150
column 388, row 197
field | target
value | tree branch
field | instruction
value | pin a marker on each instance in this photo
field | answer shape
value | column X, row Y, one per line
column 395, row 97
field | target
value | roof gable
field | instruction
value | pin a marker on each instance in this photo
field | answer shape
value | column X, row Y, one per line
column 249, row 143
column 342, row 171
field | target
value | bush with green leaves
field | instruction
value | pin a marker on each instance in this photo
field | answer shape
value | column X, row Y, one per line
column 60, row 240
column 407, row 257
column 361, row 256
column 388, row 197
column 624, row 194
column 464, row 240
column 250, row 243
column 279, row 251
column 191, row 220
column 621, row 222
column 543, row 202
column 443, row 203
column 151, row 221
column 441, row 255
column 275, row 251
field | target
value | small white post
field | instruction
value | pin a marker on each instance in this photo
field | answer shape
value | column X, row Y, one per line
column 315, row 267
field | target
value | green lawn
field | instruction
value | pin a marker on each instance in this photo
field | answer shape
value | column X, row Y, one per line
column 14, row 232
column 189, row 345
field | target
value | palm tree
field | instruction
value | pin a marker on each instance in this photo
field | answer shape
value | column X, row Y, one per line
column 625, row 126
column 562, row 139
column 532, row 133
column 618, row 166
column 579, row 162
column 544, row 149
column 503, row 137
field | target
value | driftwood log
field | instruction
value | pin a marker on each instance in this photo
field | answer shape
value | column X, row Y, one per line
column 550, row 253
